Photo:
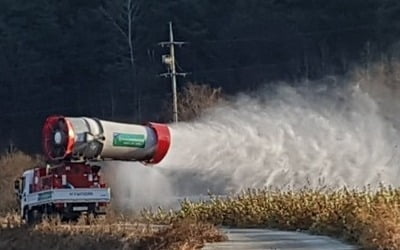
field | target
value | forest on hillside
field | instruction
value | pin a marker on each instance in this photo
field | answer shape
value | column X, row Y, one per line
column 102, row 58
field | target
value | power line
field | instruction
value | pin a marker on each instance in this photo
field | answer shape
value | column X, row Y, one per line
column 243, row 67
column 322, row 31
column 276, row 39
column 247, row 40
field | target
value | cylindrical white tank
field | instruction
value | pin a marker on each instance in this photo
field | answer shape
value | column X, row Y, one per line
column 83, row 138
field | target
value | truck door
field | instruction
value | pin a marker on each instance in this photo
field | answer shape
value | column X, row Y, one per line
column 26, row 182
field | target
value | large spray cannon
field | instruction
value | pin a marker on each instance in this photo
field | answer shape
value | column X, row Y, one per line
column 82, row 138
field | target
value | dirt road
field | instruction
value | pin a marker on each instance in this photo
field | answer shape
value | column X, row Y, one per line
column 251, row 239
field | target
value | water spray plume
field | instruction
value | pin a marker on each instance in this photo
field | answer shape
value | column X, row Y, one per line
column 296, row 138
column 288, row 137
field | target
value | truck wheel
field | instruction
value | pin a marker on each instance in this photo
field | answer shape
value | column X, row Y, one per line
column 28, row 216
column 38, row 215
column 49, row 213
column 32, row 216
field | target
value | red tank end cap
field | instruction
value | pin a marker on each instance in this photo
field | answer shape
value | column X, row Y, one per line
column 62, row 148
column 163, row 141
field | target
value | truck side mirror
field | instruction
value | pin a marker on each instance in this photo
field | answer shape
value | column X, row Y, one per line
column 16, row 186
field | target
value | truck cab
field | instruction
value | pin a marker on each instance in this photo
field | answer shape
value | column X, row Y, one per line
column 22, row 186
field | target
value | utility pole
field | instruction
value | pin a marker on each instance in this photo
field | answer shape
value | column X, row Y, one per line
column 170, row 61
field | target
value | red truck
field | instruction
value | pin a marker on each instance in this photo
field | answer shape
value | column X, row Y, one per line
column 71, row 183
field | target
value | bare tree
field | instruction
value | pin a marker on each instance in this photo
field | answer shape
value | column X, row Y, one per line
column 123, row 15
column 194, row 99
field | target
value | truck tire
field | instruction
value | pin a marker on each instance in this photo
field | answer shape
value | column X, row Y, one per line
column 28, row 216
column 50, row 214
column 32, row 216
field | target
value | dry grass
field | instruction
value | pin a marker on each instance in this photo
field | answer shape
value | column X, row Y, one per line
column 369, row 219
column 183, row 234
column 11, row 167
column 10, row 220
column 106, row 233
